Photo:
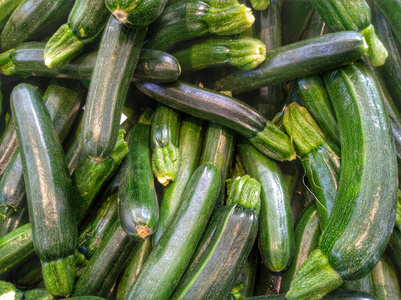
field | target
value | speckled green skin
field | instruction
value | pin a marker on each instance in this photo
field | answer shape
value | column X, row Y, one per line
column 385, row 283
column 6, row 9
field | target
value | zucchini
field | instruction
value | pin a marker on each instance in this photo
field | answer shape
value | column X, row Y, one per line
column 138, row 207
column 29, row 273
column 217, row 264
column 170, row 256
column 190, row 146
column 224, row 110
column 391, row 10
column 62, row 100
column 53, row 223
column 247, row 276
column 8, row 145
column 38, row 294
column 133, row 267
column 136, row 12
column 85, row 22
column 384, row 280
column 118, row 55
column 10, row 292
column 15, row 248
column 33, row 20
column 190, row 19
column 166, row 156
column 297, row 60
column 244, row 53
column 338, row 294
column 6, row 9
column 27, row 60
column 106, row 264
column 307, row 233
column 276, row 232
column 363, row 215
column 362, row 285
column 394, row 248
column 342, row 15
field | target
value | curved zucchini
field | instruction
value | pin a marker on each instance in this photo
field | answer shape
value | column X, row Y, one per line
column 136, row 12
column 106, row 264
column 276, row 232
column 45, row 169
column 27, row 60
column 166, row 156
column 85, row 22
column 190, row 146
column 118, row 55
column 138, row 206
column 363, row 215
column 224, row 110
column 33, row 20
column 296, row 60
column 342, row 15
column 168, row 260
column 190, row 19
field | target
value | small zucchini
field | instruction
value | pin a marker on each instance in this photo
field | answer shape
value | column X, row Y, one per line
column 171, row 255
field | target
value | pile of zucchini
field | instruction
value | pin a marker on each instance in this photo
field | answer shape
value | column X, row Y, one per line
column 200, row 149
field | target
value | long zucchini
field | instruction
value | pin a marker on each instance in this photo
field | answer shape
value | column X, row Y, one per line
column 298, row 59
column 170, row 257
column 363, row 215
column 224, row 110
column 392, row 11
column 33, row 20
column 50, row 192
column 117, row 58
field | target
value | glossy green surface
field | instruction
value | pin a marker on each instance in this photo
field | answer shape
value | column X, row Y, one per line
column 170, row 257
column 276, row 232
column 298, row 59
column 6, row 9
column 33, row 20
column 8, row 145
column 392, row 11
column 117, row 58
column 138, row 205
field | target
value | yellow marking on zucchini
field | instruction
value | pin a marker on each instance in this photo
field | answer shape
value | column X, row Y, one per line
column 82, row 32
column 143, row 231
column 121, row 16
column 96, row 159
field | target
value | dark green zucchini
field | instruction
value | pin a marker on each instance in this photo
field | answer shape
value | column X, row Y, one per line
column 15, row 247
column 8, row 145
column 394, row 248
column 276, row 232
column 243, row 52
column 224, row 110
column 106, row 264
column 190, row 19
column 390, row 70
column 166, row 156
column 298, row 59
column 392, row 11
column 216, row 265
column 50, row 192
column 138, row 207
column 190, row 146
column 342, row 15
column 338, row 294
column 6, row 9
column 384, row 280
column 28, row 274
column 307, row 233
column 27, row 60
column 62, row 100
column 33, row 20
column 136, row 12
column 85, row 22
column 295, row 15
column 247, row 276
column 361, row 285
column 117, row 58
column 133, row 267
column 363, row 215
column 168, row 260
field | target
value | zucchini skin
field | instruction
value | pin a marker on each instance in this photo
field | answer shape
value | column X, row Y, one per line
column 384, row 280
column 138, row 207
column 54, row 227
column 6, row 9
column 370, row 175
column 15, row 247
column 152, row 66
column 223, row 110
column 62, row 100
column 170, row 257
column 136, row 12
column 106, row 264
column 276, row 231
column 307, row 233
column 190, row 146
column 214, row 273
column 297, row 60
column 34, row 20
column 391, row 10
column 8, row 145
column 117, row 57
